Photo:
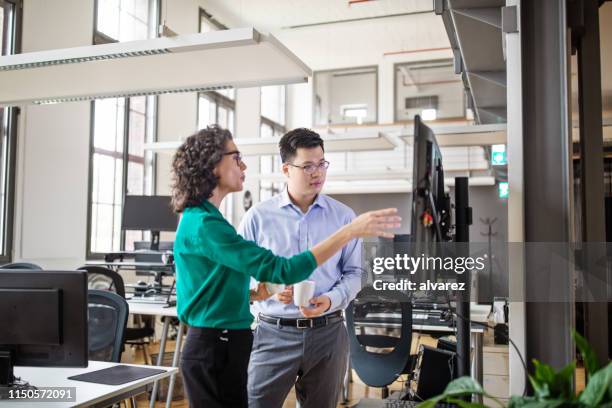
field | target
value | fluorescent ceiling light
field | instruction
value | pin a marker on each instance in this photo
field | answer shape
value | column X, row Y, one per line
column 187, row 63
column 269, row 145
column 163, row 45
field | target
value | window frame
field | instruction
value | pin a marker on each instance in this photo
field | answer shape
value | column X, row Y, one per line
column 376, row 92
column 101, row 38
column 219, row 100
column 10, row 166
column 277, row 128
column 395, row 85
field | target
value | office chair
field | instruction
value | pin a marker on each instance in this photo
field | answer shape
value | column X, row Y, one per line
column 107, row 315
column 22, row 265
column 99, row 277
column 107, row 320
column 376, row 369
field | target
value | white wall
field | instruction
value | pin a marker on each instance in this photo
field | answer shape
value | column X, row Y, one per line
column 53, row 148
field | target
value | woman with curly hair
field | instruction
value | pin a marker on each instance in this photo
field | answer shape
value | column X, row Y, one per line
column 214, row 265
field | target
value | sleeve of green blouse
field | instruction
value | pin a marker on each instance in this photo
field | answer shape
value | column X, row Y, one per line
column 218, row 240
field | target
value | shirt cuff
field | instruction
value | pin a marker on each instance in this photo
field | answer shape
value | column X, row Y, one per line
column 336, row 300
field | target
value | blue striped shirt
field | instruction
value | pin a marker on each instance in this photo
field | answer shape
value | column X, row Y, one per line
column 280, row 225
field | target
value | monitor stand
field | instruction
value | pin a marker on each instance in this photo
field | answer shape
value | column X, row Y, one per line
column 8, row 382
column 6, row 368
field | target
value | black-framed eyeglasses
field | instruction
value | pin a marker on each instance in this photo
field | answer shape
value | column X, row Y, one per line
column 237, row 156
column 311, row 168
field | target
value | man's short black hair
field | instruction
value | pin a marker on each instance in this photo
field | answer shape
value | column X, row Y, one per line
column 296, row 138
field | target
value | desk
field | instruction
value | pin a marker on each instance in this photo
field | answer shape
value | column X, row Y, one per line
column 87, row 394
column 131, row 265
column 156, row 268
column 161, row 310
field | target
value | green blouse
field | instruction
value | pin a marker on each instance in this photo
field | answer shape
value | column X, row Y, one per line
column 214, row 265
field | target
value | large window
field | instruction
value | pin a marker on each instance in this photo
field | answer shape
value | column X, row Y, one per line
column 10, row 26
column 120, row 128
column 272, row 124
column 216, row 108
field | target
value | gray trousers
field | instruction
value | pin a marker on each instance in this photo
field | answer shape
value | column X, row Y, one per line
column 313, row 359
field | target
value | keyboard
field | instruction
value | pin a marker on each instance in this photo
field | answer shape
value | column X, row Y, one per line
column 419, row 318
column 157, row 299
column 395, row 403
column 388, row 403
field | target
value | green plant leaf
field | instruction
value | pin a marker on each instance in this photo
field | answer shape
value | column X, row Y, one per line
column 463, row 386
column 465, row 404
column 588, row 355
column 519, row 401
column 543, row 374
column 540, row 388
column 555, row 403
column 598, row 386
column 549, row 384
column 430, row 403
column 563, row 385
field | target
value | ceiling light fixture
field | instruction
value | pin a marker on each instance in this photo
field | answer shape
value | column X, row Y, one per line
column 185, row 63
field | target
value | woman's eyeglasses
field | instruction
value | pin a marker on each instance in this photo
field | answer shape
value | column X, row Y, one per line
column 311, row 168
column 237, row 156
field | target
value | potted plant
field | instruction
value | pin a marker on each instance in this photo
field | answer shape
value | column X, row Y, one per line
column 552, row 389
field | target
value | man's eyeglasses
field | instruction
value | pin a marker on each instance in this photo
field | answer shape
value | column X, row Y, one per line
column 237, row 156
column 311, row 168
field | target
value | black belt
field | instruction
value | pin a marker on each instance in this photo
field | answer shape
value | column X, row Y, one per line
column 305, row 323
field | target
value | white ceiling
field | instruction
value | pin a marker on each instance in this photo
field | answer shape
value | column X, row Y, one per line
column 364, row 42
column 341, row 44
column 274, row 15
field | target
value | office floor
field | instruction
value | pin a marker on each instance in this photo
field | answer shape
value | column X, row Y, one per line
column 357, row 389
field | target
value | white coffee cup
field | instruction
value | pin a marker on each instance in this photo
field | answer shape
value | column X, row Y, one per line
column 303, row 292
column 274, row 288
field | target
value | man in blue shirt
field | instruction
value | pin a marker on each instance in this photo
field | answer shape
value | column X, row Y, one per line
column 306, row 346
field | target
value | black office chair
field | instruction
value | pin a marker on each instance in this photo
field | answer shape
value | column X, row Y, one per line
column 107, row 320
column 101, row 278
column 107, row 315
column 380, row 369
column 22, row 265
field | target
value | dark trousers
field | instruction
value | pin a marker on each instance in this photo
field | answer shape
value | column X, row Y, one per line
column 214, row 365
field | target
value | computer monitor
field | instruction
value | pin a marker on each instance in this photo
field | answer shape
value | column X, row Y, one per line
column 430, row 203
column 149, row 213
column 43, row 316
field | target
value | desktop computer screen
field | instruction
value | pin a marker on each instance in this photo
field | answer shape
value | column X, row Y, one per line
column 149, row 213
column 43, row 316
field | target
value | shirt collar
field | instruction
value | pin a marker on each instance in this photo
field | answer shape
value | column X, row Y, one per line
column 285, row 200
column 210, row 207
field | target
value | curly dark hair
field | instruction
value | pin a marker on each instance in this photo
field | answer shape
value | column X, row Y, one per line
column 193, row 165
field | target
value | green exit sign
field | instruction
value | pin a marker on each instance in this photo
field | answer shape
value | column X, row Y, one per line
column 503, row 189
column 498, row 155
